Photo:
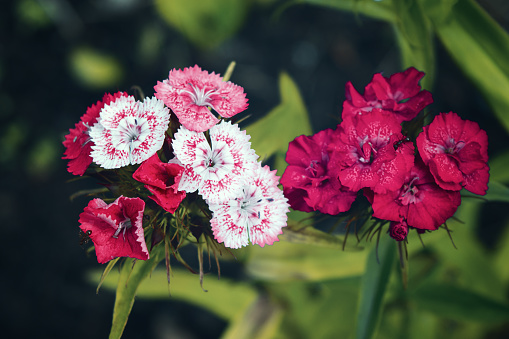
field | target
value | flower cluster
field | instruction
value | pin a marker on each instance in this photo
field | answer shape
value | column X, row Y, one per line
column 413, row 185
column 198, row 171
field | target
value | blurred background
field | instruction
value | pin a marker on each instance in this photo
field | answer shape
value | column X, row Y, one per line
column 57, row 57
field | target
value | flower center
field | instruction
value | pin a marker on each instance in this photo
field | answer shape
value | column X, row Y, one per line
column 367, row 151
column 200, row 97
column 123, row 227
column 409, row 193
column 452, row 147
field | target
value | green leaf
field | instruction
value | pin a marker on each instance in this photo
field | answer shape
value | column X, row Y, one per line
column 480, row 47
column 415, row 39
column 261, row 320
column 498, row 168
column 224, row 298
column 373, row 287
column 502, row 253
column 205, row 23
column 454, row 302
column 285, row 261
column 375, row 9
column 496, row 192
column 282, row 124
column 131, row 276
column 94, row 68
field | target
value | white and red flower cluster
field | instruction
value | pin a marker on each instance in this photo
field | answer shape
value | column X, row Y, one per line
column 368, row 151
column 211, row 156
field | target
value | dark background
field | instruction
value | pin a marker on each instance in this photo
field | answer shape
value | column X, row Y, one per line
column 43, row 266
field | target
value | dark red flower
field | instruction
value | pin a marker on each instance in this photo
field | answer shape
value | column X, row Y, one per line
column 309, row 183
column 116, row 229
column 367, row 153
column 420, row 201
column 400, row 94
column 78, row 144
column 162, row 180
column 398, row 230
column 456, row 152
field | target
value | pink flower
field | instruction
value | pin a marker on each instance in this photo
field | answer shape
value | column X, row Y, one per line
column 420, row 201
column 115, row 229
column 309, row 183
column 398, row 230
column 129, row 132
column 78, row 144
column 365, row 150
column 217, row 171
column 257, row 214
column 456, row 152
column 162, row 180
column 191, row 92
column 400, row 94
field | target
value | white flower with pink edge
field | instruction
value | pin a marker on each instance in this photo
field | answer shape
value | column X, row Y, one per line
column 256, row 215
column 216, row 170
column 129, row 132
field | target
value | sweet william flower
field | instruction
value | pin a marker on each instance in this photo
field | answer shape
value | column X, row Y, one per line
column 129, row 132
column 217, row 170
column 78, row 143
column 456, row 152
column 191, row 93
column 309, row 182
column 116, row 229
column 256, row 214
column 419, row 201
column 162, row 180
column 364, row 151
column 400, row 94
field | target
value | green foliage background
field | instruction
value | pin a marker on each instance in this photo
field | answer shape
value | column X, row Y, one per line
column 306, row 285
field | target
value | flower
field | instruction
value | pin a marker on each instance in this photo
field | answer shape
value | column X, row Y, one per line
column 364, row 149
column 162, row 180
column 400, row 94
column 78, row 143
column 191, row 92
column 115, row 229
column 217, row 171
column 309, row 183
column 420, row 201
column 257, row 214
column 456, row 152
column 129, row 132
column 398, row 230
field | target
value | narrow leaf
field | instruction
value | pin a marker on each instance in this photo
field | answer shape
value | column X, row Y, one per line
column 373, row 286
column 375, row 9
column 106, row 272
column 287, row 120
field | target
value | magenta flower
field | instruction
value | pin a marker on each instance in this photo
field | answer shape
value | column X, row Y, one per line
column 257, row 214
column 162, row 180
column 191, row 94
column 400, row 94
column 398, row 230
column 129, row 132
column 309, row 183
column 419, row 201
column 456, row 152
column 217, row 171
column 116, row 229
column 78, row 143
column 365, row 150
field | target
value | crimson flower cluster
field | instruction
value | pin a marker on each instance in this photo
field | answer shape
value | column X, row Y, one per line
column 174, row 168
column 411, row 184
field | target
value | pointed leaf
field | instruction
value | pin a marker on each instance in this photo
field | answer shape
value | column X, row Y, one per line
column 373, row 286
column 498, row 168
column 289, row 119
